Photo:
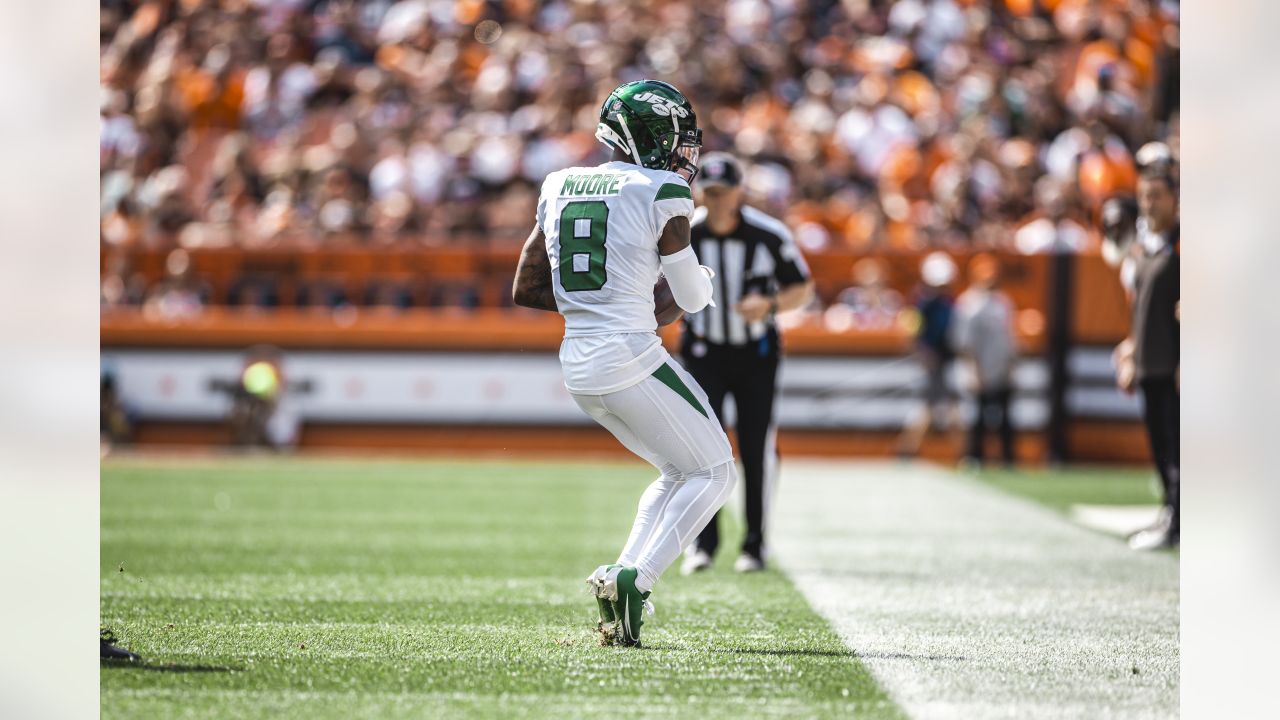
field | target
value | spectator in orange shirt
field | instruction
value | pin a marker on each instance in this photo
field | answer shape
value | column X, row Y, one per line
column 213, row 94
column 1106, row 168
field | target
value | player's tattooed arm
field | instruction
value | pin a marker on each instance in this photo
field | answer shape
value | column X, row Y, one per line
column 532, row 287
column 675, row 236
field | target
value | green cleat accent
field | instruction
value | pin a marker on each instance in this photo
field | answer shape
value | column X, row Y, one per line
column 629, row 607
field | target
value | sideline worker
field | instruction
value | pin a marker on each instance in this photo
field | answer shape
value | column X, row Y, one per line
column 1149, row 359
column 982, row 333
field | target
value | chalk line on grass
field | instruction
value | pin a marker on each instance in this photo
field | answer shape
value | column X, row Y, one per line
column 965, row 602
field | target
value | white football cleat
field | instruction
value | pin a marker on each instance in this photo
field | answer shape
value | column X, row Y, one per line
column 1156, row 538
column 596, row 578
column 747, row 562
column 602, row 584
column 695, row 561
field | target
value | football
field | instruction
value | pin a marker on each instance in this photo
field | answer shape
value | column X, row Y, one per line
column 665, row 308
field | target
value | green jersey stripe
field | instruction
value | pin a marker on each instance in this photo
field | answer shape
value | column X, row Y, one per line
column 673, row 190
column 669, row 378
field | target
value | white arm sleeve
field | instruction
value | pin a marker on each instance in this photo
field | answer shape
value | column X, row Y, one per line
column 690, row 282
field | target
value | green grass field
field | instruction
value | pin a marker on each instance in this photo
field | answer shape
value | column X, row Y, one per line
column 1062, row 488
column 317, row 588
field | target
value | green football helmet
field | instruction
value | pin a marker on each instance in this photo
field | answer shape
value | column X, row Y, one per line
column 654, row 124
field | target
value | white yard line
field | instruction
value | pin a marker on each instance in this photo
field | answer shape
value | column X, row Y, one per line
column 968, row 603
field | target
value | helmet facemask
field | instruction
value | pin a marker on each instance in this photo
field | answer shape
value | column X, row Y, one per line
column 684, row 158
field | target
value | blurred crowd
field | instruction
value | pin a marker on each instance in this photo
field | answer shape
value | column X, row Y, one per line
column 869, row 124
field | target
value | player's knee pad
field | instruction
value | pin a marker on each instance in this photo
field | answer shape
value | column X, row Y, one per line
column 724, row 475
column 730, row 472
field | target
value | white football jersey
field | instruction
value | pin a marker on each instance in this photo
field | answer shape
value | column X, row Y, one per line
column 602, row 226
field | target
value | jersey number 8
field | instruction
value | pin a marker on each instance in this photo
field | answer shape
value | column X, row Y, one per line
column 583, row 226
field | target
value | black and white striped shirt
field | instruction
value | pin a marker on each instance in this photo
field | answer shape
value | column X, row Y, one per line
column 759, row 255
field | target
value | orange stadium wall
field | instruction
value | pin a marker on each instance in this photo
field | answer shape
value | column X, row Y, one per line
column 1103, row 424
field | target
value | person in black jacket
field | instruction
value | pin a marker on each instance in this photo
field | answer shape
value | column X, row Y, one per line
column 1149, row 358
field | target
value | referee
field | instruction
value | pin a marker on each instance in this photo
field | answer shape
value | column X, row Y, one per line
column 732, row 348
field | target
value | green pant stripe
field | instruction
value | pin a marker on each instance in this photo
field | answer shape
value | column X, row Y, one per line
column 669, row 378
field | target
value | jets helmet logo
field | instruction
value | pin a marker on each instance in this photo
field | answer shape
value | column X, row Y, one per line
column 661, row 105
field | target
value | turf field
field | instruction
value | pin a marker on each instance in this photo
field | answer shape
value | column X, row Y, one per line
column 319, row 588
column 966, row 601
column 1062, row 488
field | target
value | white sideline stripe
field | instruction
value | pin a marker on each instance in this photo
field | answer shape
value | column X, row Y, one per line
column 964, row 602
column 1116, row 519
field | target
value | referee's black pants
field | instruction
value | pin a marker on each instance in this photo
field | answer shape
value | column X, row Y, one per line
column 1162, row 414
column 751, row 377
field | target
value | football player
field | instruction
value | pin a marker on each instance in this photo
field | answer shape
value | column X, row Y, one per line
column 602, row 237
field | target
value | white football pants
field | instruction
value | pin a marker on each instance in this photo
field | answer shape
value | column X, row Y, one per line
column 667, row 420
